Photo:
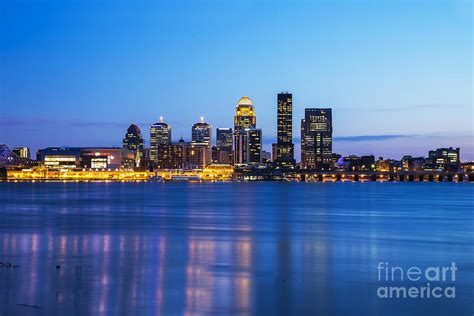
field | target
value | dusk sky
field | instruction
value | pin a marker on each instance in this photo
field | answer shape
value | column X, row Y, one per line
column 398, row 74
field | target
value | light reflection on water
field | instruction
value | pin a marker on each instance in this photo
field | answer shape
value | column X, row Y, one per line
column 239, row 248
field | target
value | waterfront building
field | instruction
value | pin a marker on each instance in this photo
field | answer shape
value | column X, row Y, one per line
column 133, row 141
column 69, row 158
column 316, row 138
column 467, row 167
column 170, row 156
column 244, row 119
column 107, row 158
column 254, row 145
column 145, row 161
column 18, row 157
column 22, row 152
column 196, row 155
column 160, row 134
column 214, row 155
column 410, row 163
column 59, row 157
column 447, row 159
column 201, row 132
column 223, row 151
column 359, row 163
column 240, row 147
column 285, row 147
column 224, row 138
column 388, row 165
column 367, row 163
column 352, row 163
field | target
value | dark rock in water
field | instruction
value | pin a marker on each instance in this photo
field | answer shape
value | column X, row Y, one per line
column 58, row 266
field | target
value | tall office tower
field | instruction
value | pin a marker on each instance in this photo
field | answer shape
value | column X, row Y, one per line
column 133, row 140
column 254, row 147
column 224, row 145
column 160, row 134
column 224, row 138
column 316, row 139
column 240, row 147
column 244, row 114
column 202, row 133
column 244, row 118
column 285, row 148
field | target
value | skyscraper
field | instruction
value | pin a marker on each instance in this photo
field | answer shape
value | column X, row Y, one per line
column 254, row 147
column 244, row 119
column 316, row 139
column 160, row 134
column 133, row 141
column 285, row 148
column 224, row 138
column 224, row 145
column 202, row 133
column 241, row 141
column 244, row 114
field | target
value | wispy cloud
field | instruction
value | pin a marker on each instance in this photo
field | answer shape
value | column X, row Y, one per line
column 363, row 138
column 428, row 106
column 402, row 108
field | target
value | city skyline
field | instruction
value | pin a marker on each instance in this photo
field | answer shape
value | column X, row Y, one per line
column 224, row 157
column 266, row 140
column 91, row 75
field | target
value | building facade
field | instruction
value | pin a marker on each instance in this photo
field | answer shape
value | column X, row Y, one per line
column 202, row 133
column 107, row 158
column 196, row 156
column 96, row 158
column 22, row 152
column 160, row 134
column 254, row 150
column 170, row 156
column 443, row 159
column 224, row 145
column 285, row 147
column 244, row 119
column 133, row 141
column 56, row 158
column 316, row 139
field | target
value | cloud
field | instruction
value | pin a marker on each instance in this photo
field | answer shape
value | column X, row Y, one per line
column 363, row 138
column 428, row 106
column 402, row 108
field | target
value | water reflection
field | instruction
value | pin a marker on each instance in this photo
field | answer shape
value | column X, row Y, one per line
column 131, row 249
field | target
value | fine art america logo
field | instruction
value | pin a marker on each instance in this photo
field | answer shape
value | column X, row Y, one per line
column 398, row 282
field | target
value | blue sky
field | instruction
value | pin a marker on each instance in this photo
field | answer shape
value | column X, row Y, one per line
column 398, row 74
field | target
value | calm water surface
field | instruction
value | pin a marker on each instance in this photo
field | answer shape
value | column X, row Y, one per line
column 229, row 248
